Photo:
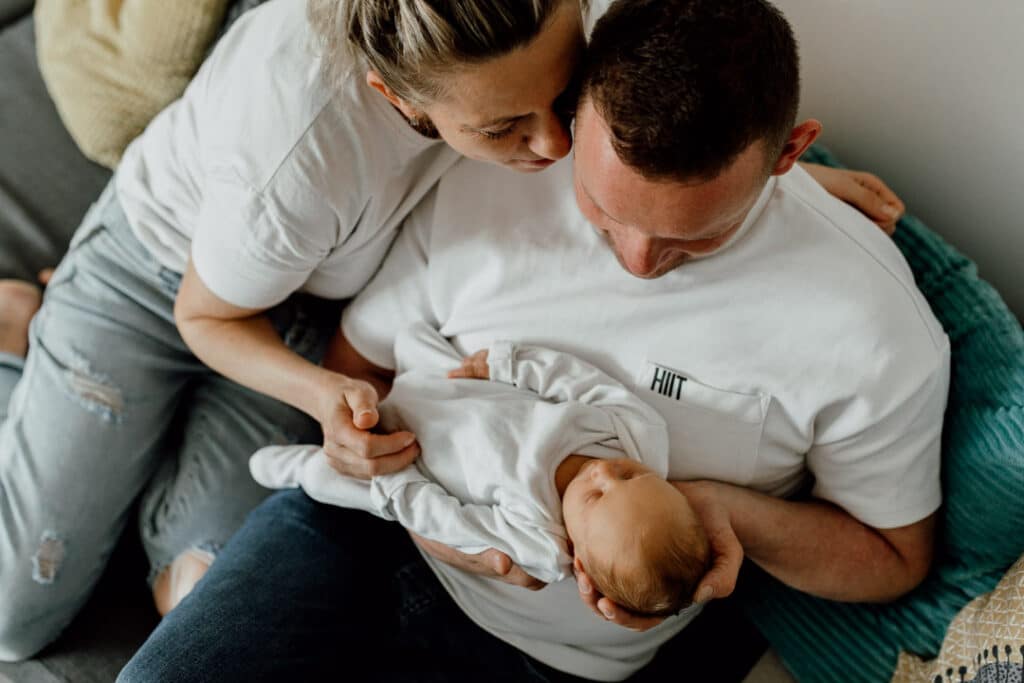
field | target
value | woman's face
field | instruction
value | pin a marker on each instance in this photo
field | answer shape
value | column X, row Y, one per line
column 515, row 110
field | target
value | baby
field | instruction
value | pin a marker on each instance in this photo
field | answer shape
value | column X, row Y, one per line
column 551, row 462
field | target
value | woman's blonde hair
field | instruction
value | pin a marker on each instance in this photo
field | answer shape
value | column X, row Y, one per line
column 413, row 43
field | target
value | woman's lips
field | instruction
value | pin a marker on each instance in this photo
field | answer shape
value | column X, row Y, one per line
column 536, row 163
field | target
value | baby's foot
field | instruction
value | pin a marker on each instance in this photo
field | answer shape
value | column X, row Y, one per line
column 19, row 301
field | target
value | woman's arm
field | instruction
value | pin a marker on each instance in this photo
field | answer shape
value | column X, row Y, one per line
column 243, row 345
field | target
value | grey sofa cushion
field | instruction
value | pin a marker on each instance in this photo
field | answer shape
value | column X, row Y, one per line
column 13, row 9
column 46, row 184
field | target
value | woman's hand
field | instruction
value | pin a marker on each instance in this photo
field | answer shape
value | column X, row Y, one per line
column 347, row 411
column 473, row 367
column 491, row 563
column 864, row 191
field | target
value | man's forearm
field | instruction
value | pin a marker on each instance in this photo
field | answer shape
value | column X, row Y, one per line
column 820, row 549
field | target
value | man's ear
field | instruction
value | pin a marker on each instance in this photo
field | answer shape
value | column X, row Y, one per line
column 800, row 138
column 374, row 80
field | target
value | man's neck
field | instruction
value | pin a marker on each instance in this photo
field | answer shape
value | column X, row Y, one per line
column 567, row 471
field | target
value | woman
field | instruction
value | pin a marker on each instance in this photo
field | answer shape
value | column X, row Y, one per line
column 279, row 171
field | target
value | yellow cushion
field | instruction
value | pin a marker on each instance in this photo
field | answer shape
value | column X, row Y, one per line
column 112, row 65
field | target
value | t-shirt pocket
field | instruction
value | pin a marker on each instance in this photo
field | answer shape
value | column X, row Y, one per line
column 713, row 433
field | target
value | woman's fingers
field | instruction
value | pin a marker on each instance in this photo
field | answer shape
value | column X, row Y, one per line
column 361, row 399
column 875, row 200
column 866, row 192
column 352, row 464
column 891, row 205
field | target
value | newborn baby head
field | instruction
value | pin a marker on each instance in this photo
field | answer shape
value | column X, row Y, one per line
column 635, row 536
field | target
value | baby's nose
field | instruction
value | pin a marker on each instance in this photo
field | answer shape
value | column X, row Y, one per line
column 603, row 471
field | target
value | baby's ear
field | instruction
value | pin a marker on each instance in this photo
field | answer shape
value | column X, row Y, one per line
column 577, row 564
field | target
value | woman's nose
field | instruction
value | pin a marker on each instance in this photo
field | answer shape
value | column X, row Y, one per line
column 551, row 139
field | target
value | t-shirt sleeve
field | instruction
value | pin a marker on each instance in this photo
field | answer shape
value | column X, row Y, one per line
column 886, row 474
column 246, row 255
column 397, row 296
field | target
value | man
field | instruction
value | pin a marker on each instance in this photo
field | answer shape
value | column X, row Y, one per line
column 776, row 330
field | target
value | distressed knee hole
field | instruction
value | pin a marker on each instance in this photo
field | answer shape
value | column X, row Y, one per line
column 48, row 559
column 93, row 391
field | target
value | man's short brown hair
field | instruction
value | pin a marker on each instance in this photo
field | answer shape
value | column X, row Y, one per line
column 686, row 85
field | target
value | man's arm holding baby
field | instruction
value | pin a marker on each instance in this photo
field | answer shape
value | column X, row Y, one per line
column 811, row 545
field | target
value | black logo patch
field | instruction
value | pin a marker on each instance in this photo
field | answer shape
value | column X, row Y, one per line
column 667, row 383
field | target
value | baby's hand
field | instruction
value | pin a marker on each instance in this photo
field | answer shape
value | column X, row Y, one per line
column 473, row 367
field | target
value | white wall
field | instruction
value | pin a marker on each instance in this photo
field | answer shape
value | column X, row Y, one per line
column 928, row 94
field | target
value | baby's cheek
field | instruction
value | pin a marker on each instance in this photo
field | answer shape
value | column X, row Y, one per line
column 571, row 517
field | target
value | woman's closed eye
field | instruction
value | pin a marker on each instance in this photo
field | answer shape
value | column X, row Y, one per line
column 497, row 134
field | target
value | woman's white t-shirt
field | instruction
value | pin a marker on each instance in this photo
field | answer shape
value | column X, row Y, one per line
column 271, row 180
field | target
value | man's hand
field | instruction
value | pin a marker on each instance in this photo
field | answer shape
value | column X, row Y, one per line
column 605, row 608
column 347, row 411
column 726, row 552
column 473, row 367
column 864, row 191
column 490, row 563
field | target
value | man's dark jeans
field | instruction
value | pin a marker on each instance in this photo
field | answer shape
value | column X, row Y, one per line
column 308, row 592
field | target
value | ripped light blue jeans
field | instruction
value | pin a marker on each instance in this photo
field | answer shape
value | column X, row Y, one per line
column 109, row 405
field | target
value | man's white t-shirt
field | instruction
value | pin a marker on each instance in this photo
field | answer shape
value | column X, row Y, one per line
column 802, row 348
column 271, row 180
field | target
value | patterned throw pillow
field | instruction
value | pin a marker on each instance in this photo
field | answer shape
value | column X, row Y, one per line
column 985, row 642
column 982, row 518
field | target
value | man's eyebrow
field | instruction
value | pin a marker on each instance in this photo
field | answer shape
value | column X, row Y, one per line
column 494, row 122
